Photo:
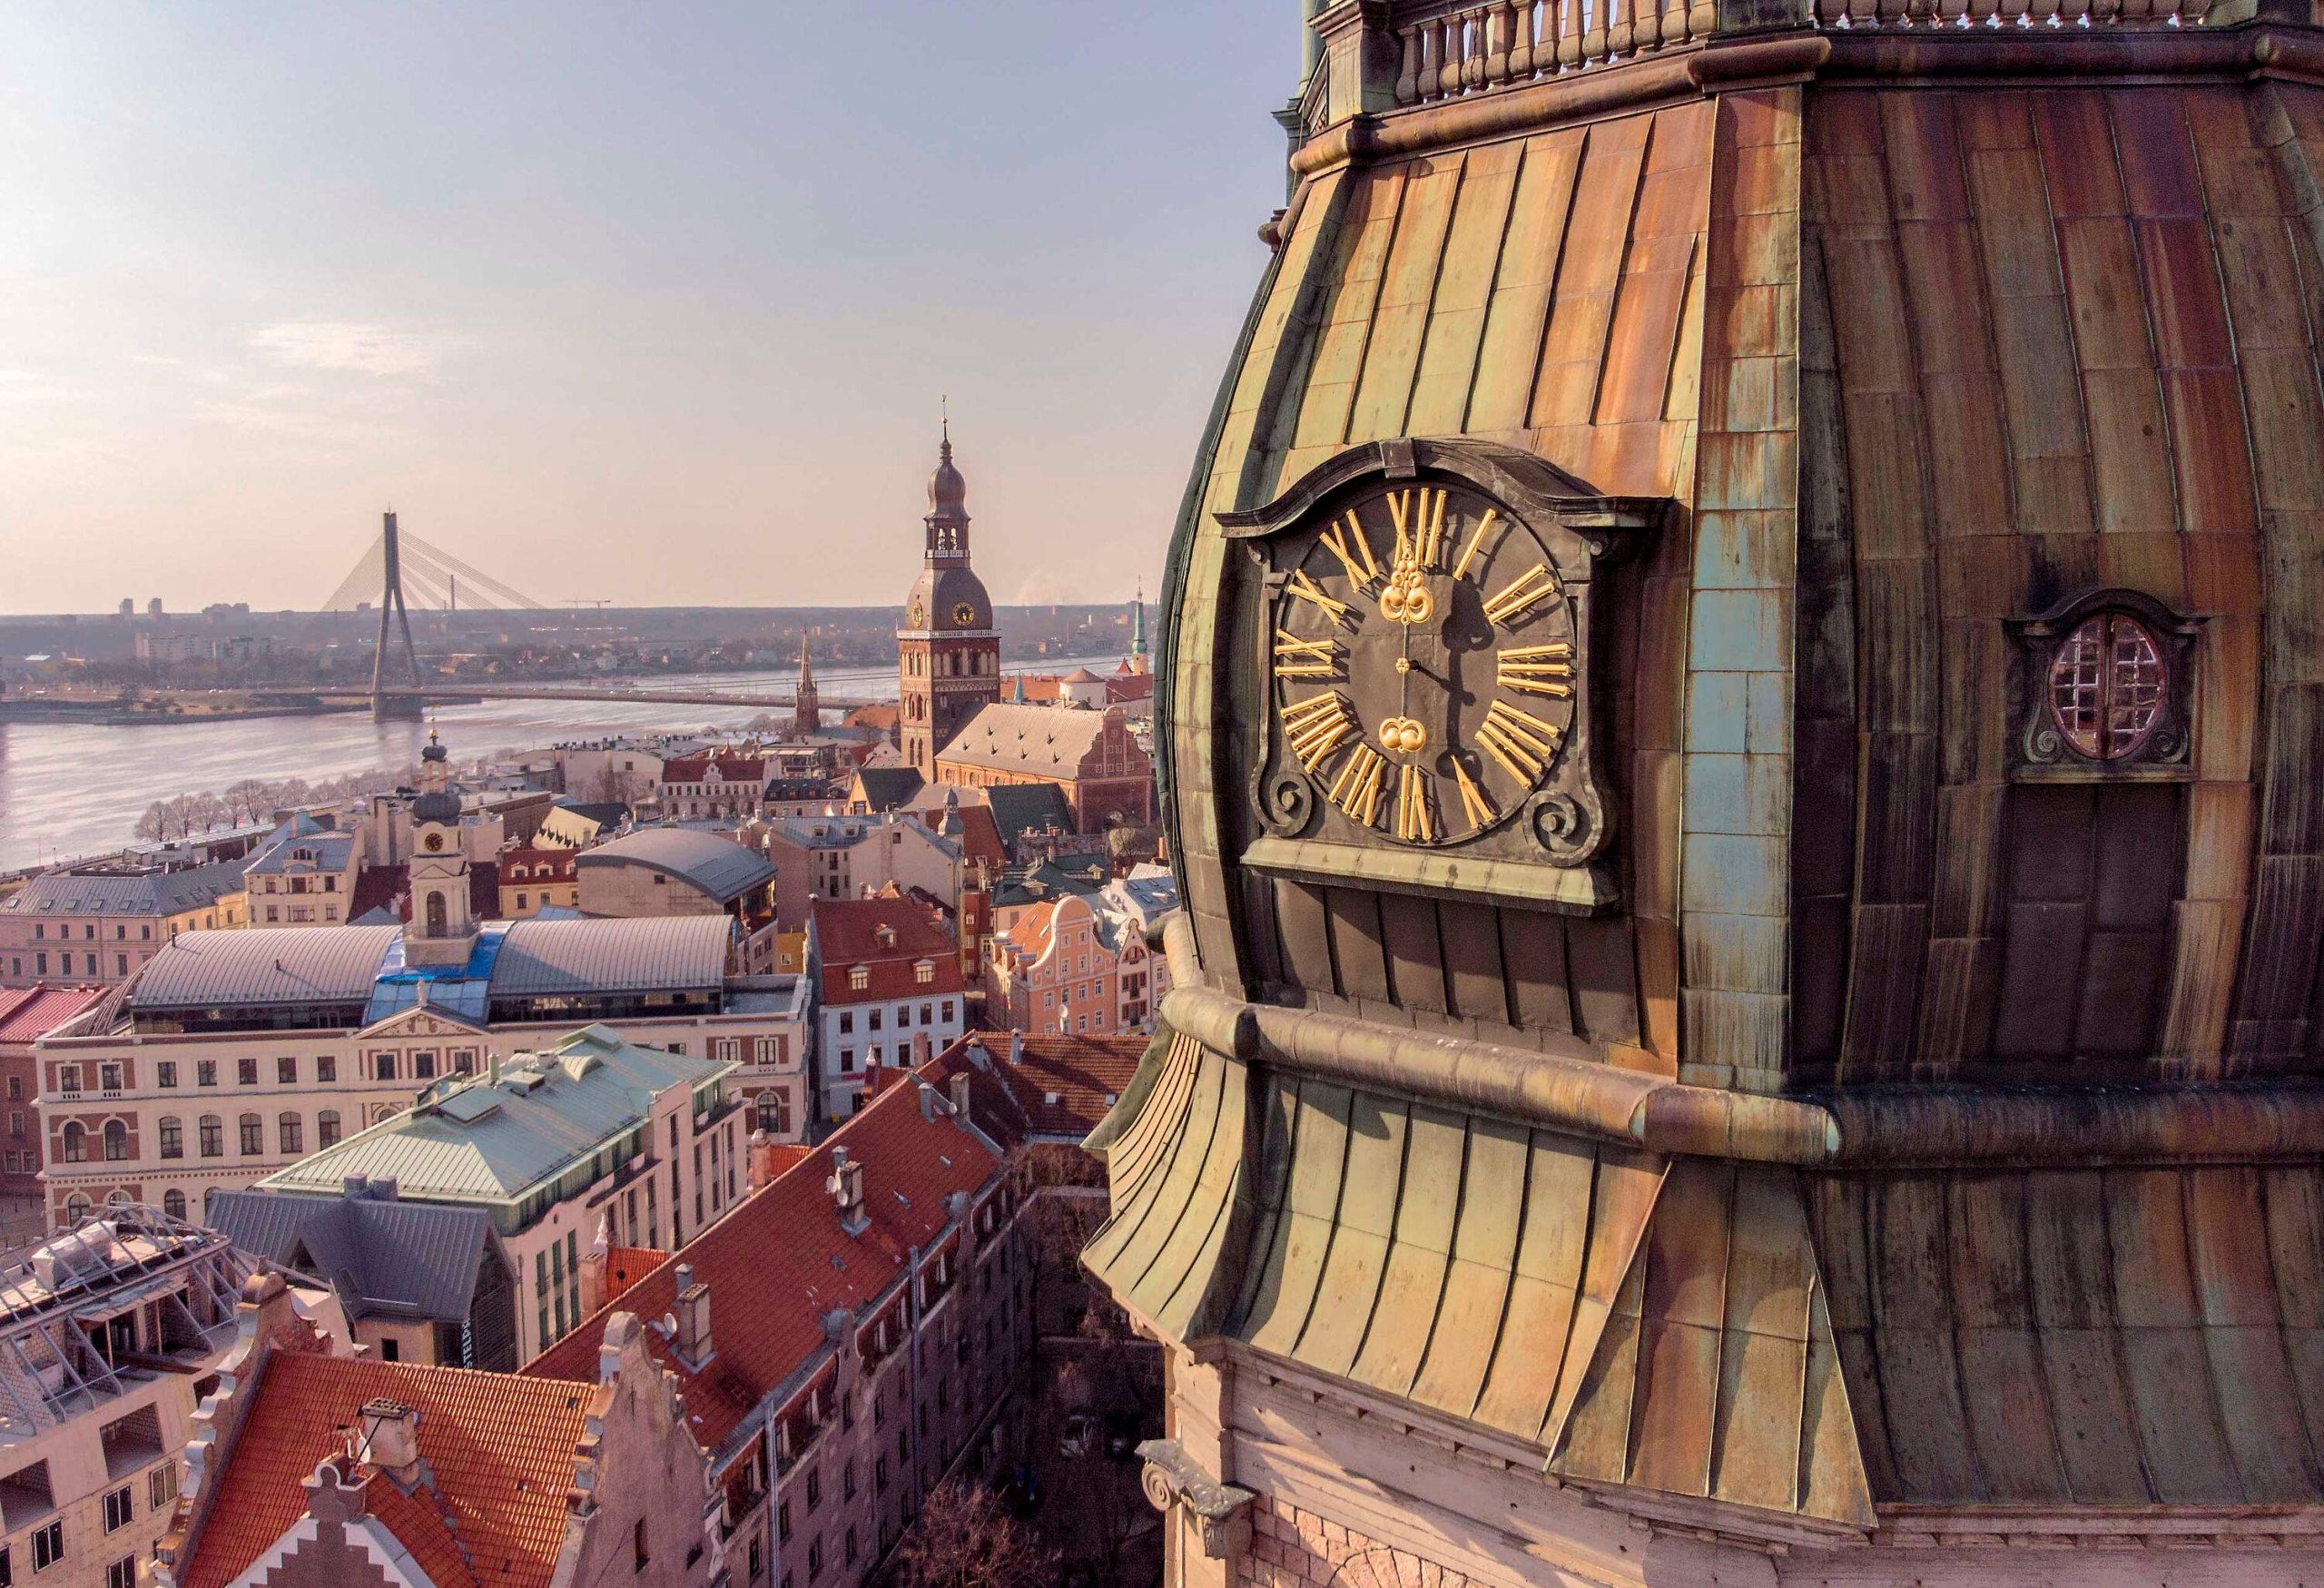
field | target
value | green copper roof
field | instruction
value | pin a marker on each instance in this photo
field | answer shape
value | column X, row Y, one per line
column 495, row 1137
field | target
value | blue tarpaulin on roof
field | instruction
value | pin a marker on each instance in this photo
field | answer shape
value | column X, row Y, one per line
column 461, row 989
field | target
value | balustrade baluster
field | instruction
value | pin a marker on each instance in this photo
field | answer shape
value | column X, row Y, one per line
column 1570, row 17
column 1890, row 12
column 2013, row 13
column 1408, row 76
column 2192, row 13
column 1449, row 46
column 1863, row 13
column 1520, row 43
column 1473, row 50
column 1593, row 36
column 1500, row 20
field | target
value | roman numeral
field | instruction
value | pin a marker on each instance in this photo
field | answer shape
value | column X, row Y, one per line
column 1350, row 547
column 1513, row 597
column 1522, row 743
column 1476, row 541
column 1357, row 790
column 1318, row 726
column 1472, row 798
column 1537, row 670
column 1416, row 816
column 1305, row 659
column 1419, row 519
column 1309, row 591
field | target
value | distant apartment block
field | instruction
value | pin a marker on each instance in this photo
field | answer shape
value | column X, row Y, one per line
column 101, row 923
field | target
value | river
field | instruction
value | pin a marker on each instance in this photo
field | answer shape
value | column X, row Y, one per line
column 70, row 789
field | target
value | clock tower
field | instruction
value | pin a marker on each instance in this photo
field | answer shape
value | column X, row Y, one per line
column 948, row 651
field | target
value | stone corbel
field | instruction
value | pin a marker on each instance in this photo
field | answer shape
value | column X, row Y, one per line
column 1220, row 1512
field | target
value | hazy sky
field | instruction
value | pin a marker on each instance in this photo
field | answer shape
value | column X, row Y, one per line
column 648, row 303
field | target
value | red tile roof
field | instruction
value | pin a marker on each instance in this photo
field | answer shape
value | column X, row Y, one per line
column 980, row 836
column 626, row 1265
column 501, row 1446
column 1083, row 1074
column 390, row 885
column 777, row 1264
column 847, row 934
column 30, row 1013
column 520, row 865
column 731, row 768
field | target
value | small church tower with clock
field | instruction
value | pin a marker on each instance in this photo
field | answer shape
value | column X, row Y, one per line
column 443, row 925
column 948, row 651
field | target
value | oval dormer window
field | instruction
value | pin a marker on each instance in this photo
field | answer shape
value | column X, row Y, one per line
column 2109, row 686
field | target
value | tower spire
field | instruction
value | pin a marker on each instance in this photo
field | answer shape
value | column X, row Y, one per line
column 807, row 708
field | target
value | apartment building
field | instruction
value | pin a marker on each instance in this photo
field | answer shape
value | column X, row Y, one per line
column 844, row 857
column 551, row 1144
column 304, row 876
column 1077, row 965
column 235, row 1054
column 25, row 1017
column 885, row 973
column 532, row 879
column 114, row 1330
column 101, row 923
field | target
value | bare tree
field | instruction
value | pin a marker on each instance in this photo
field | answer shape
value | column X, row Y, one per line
column 250, row 799
column 965, row 1538
column 612, row 787
column 150, row 825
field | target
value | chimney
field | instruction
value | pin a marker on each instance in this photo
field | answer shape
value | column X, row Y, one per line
column 961, row 1093
column 354, row 1185
column 593, row 1266
column 928, row 1099
column 921, row 1054
column 391, row 1440
column 873, row 1075
column 1016, row 1047
column 846, row 1186
column 694, row 1342
column 761, row 1159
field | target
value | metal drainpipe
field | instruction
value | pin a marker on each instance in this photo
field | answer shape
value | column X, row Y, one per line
column 912, row 1304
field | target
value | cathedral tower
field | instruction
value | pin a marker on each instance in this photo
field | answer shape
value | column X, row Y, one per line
column 948, row 651
column 1740, row 699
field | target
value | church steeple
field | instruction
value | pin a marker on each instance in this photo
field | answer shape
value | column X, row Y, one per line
column 443, row 926
column 948, row 512
column 1139, row 662
column 807, row 712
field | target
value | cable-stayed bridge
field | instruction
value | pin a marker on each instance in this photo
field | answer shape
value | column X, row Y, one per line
column 400, row 560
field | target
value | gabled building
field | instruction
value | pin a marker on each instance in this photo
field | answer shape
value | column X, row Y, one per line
column 727, row 784
column 533, row 878
column 304, row 876
column 415, row 1281
column 851, row 1335
column 547, row 1145
column 1077, row 965
column 310, row 1471
column 885, row 973
column 1090, row 756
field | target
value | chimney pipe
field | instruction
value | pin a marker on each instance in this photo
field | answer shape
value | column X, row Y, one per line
column 391, row 1440
column 694, row 1342
column 1016, row 1047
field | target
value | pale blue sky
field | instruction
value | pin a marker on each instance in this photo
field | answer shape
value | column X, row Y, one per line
column 650, row 302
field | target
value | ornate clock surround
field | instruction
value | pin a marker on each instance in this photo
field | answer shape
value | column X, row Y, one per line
column 1490, row 788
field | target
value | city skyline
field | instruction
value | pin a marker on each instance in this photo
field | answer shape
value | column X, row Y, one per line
column 631, row 305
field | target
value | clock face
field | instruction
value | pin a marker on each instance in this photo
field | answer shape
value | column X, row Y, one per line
column 916, row 614
column 433, row 842
column 964, row 613
column 1425, row 656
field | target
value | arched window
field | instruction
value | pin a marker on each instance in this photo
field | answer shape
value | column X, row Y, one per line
column 172, row 1137
column 2109, row 686
column 117, row 1142
column 254, row 1135
column 174, row 1204
column 76, row 1208
column 288, row 1128
column 437, row 925
column 213, row 1135
column 76, row 1145
column 327, row 1129
column 117, row 1199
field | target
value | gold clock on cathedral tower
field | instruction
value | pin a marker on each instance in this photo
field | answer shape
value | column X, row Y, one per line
column 1427, row 638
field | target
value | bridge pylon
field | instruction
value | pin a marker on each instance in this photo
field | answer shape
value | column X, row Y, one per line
column 387, row 707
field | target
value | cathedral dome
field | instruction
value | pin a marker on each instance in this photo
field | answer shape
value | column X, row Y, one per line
column 948, row 600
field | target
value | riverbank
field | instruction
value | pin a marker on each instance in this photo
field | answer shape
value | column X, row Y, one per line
column 118, row 713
